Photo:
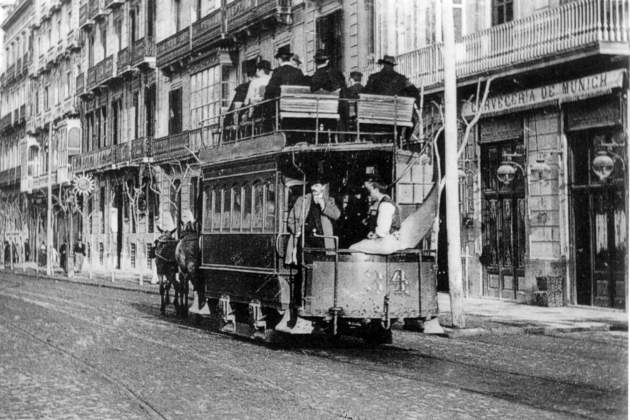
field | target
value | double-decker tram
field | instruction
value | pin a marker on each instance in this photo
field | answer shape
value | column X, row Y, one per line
column 262, row 158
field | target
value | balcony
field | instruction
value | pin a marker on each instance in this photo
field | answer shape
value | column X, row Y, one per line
column 73, row 41
column 22, row 118
column 5, row 122
column 140, row 148
column 124, row 61
column 80, row 85
column 97, row 10
column 94, row 160
column 143, row 51
column 121, row 154
column 113, row 4
column 174, row 48
column 174, row 146
column 84, row 15
column 241, row 14
column 207, row 30
column 595, row 26
column 10, row 176
column 91, row 78
column 10, row 74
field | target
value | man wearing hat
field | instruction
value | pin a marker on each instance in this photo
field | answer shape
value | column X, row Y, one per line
column 258, row 84
column 354, row 87
column 325, row 77
column 284, row 74
column 389, row 82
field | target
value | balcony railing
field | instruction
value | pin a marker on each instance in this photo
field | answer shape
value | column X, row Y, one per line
column 243, row 13
column 121, row 153
column 5, row 122
column 84, row 14
column 97, row 9
column 208, row 29
column 10, row 176
column 80, row 84
column 140, row 148
column 124, row 60
column 91, row 77
column 143, row 49
column 550, row 33
column 173, row 48
column 10, row 74
column 104, row 71
column 173, row 146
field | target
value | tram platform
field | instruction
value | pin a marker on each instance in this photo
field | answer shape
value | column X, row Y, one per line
column 483, row 316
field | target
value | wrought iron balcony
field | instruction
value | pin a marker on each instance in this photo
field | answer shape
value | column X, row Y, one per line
column 5, row 122
column 121, row 154
column 91, row 78
column 10, row 176
column 124, row 61
column 143, row 51
column 80, row 84
column 241, row 14
column 140, row 148
column 73, row 40
column 173, row 146
column 208, row 29
column 104, row 71
column 572, row 28
column 84, row 15
column 10, row 74
column 97, row 9
column 173, row 48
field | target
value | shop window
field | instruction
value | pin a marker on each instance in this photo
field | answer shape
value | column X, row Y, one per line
column 208, row 209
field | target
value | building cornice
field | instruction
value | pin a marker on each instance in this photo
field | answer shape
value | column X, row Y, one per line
column 15, row 13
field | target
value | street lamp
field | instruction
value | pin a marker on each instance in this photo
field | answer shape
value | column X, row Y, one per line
column 506, row 172
column 604, row 162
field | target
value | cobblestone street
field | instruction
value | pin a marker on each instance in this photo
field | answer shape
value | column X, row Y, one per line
column 78, row 351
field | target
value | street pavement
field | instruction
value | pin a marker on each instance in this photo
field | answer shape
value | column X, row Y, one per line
column 72, row 350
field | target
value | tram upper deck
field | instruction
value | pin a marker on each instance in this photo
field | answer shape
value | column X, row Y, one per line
column 299, row 119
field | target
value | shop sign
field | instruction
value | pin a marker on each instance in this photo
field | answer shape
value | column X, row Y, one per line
column 571, row 90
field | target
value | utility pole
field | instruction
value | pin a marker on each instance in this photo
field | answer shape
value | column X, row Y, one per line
column 49, row 231
column 455, row 284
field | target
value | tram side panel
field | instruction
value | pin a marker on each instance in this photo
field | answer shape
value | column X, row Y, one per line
column 242, row 266
column 364, row 282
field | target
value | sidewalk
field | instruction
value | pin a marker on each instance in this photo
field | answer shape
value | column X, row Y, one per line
column 495, row 316
column 483, row 316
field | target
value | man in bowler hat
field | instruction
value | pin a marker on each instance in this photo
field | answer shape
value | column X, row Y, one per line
column 354, row 87
column 325, row 77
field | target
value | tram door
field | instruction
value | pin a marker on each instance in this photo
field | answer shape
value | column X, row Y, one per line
column 599, row 225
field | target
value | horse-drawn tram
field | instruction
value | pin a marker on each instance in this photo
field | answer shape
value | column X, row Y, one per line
column 259, row 272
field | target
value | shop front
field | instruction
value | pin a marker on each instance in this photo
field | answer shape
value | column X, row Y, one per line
column 553, row 192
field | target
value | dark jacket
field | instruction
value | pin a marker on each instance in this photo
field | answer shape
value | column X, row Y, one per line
column 389, row 82
column 353, row 91
column 328, row 79
column 286, row 74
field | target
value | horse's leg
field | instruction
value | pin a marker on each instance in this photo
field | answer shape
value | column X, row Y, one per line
column 162, row 300
column 184, row 282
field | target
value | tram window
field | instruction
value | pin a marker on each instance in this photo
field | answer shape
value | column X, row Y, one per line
column 258, row 207
column 270, row 216
column 207, row 219
column 227, row 207
column 216, row 215
column 247, row 208
column 236, row 208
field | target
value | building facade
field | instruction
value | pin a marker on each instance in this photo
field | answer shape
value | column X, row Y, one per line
column 544, row 186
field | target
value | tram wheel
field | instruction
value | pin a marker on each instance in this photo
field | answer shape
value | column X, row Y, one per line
column 375, row 334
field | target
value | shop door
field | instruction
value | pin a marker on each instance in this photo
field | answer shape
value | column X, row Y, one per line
column 599, row 226
column 503, row 225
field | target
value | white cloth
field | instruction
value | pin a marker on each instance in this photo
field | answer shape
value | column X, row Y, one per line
column 256, row 90
column 386, row 212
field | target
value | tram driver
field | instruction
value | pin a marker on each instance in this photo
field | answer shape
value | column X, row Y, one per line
column 316, row 213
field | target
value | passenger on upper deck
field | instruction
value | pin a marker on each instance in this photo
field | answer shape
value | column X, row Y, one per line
column 325, row 77
column 383, row 221
column 258, row 84
column 389, row 82
column 355, row 87
column 284, row 74
column 315, row 212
